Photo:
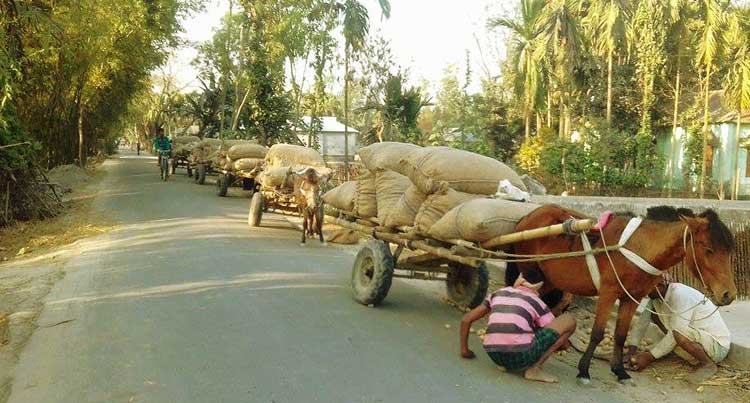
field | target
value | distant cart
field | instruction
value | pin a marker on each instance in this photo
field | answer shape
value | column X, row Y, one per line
column 275, row 200
column 461, row 264
column 227, row 179
column 181, row 162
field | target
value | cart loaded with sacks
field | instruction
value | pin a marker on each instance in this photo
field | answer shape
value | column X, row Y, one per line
column 434, row 213
column 240, row 166
column 275, row 180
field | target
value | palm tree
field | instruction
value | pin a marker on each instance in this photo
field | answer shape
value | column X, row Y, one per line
column 737, row 81
column 709, row 47
column 356, row 26
column 559, row 29
column 528, row 51
column 606, row 22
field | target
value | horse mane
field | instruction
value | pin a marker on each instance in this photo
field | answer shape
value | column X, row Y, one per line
column 719, row 233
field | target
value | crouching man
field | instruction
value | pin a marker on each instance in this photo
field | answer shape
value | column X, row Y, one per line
column 522, row 333
column 689, row 321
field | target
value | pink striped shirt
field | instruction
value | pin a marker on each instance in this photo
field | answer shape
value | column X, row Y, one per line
column 515, row 314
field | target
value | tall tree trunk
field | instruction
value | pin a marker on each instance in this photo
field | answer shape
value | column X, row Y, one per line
column 561, row 122
column 704, row 165
column 549, row 109
column 736, row 181
column 609, row 88
column 527, row 122
column 346, row 109
column 538, row 123
column 672, row 157
column 225, row 73
column 81, row 146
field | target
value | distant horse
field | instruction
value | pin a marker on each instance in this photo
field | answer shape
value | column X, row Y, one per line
column 307, row 195
column 666, row 237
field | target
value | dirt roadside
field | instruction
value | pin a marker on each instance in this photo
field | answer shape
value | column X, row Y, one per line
column 32, row 258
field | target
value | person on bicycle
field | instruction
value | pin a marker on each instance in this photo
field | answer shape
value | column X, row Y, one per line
column 162, row 142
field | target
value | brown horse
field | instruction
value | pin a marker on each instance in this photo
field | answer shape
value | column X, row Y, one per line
column 307, row 195
column 660, row 240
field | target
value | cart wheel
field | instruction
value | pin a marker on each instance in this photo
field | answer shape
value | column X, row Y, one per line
column 372, row 273
column 466, row 285
column 201, row 174
column 174, row 165
column 189, row 171
column 222, row 185
column 256, row 210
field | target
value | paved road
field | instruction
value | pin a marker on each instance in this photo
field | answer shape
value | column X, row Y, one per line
column 186, row 303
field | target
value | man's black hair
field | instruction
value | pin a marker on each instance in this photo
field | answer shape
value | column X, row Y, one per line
column 533, row 275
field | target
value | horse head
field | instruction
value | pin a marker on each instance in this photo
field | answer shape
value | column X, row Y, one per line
column 307, row 184
column 708, row 250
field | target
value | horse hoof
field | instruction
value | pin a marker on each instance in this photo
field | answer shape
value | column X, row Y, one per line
column 583, row 381
column 627, row 382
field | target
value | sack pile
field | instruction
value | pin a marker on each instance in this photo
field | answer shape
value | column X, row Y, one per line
column 183, row 145
column 440, row 192
column 282, row 160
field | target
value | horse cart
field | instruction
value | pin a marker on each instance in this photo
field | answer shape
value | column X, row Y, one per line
column 461, row 264
column 274, row 200
column 229, row 178
column 180, row 161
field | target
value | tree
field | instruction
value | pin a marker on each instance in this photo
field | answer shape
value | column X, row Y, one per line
column 527, row 53
column 737, row 81
column 709, row 47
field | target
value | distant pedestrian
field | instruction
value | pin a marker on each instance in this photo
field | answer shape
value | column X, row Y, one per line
column 138, row 148
column 522, row 333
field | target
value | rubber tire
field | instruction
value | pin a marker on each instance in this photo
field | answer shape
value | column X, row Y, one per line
column 466, row 285
column 189, row 171
column 164, row 166
column 255, row 215
column 174, row 166
column 201, row 174
column 222, row 185
column 372, row 273
column 195, row 175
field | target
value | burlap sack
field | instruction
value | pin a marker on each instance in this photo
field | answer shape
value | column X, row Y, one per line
column 276, row 177
column 186, row 139
column 481, row 219
column 246, row 164
column 342, row 196
column 405, row 209
column 213, row 143
column 386, row 155
column 247, row 150
column 365, row 203
column 436, row 206
column 291, row 155
column 434, row 168
column 389, row 187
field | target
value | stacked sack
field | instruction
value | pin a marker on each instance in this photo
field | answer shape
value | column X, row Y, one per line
column 183, row 145
column 282, row 160
column 246, row 156
column 439, row 192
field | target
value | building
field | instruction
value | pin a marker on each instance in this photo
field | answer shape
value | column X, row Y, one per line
column 330, row 138
column 728, row 146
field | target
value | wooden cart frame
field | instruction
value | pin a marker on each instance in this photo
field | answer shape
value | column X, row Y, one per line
column 461, row 264
column 271, row 200
column 181, row 162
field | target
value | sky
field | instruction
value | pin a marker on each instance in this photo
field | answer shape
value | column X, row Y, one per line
column 425, row 35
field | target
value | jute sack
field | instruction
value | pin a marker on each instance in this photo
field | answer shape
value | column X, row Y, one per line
column 210, row 142
column 342, row 196
column 406, row 208
column 276, row 177
column 225, row 163
column 481, row 219
column 186, row 139
column 389, row 187
column 290, row 155
column 434, row 168
column 436, row 206
column 365, row 203
column 246, row 164
column 385, row 155
column 247, row 150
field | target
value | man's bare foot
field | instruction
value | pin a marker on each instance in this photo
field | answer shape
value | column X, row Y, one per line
column 703, row 373
column 536, row 374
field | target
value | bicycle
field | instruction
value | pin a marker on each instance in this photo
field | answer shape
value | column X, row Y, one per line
column 164, row 163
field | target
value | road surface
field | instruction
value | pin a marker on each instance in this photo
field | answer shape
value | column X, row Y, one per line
column 186, row 303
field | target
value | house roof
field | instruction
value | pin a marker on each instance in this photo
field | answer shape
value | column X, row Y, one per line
column 720, row 113
column 330, row 125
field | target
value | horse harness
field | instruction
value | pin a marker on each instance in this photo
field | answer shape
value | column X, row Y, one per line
column 633, row 257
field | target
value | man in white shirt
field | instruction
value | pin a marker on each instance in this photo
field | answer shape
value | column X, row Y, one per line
column 689, row 321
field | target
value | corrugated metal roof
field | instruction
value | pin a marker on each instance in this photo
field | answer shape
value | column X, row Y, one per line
column 330, row 125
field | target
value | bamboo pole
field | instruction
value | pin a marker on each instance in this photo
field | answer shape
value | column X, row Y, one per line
column 557, row 229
